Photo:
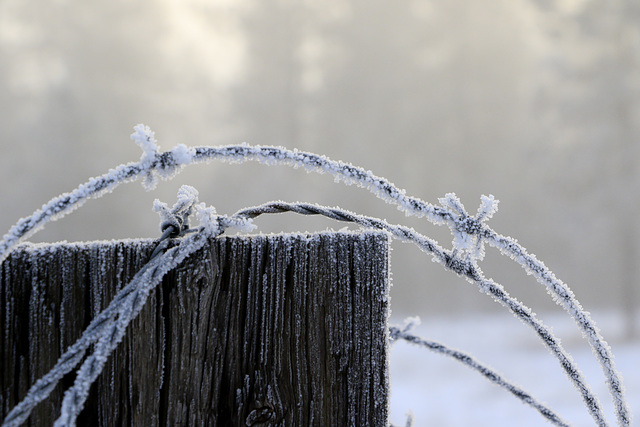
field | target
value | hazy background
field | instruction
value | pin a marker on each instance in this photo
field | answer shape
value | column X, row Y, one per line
column 535, row 102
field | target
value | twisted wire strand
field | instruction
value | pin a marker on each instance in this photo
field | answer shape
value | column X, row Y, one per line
column 107, row 329
column 460, row 266
column 131, row 299
column 41, row 389
column 167, row 164
column 491, row 375
column 145, row 281
column 387, row 191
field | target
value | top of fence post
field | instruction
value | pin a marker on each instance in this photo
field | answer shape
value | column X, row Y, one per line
column 279, row 329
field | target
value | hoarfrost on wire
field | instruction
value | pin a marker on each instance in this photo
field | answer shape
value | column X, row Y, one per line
column 145, row 138
column 466, row 232
column 183, row 154
column 108, row 328
column 470, row 233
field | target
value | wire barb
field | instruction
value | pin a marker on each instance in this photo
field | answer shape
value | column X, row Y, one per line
column 109, row 326
column 461, row 265
column 469, row 233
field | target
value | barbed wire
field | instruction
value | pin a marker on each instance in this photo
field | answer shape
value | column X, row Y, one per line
column 470, row 232
column 108, row 328
column 396, row 333
column 468, row 269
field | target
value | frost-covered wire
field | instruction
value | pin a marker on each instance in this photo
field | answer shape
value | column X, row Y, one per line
column 106, row 332
column 463, row 266
column 470, row 232
column 109, row 326
column 564, row 297
column 396, row 333
column 110, row 336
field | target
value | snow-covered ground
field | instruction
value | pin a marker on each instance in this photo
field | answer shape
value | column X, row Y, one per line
column 442, row 392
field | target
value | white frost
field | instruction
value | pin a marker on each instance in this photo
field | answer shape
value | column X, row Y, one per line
column 470, row 233
column 145, row 138
column 488, row 206
column 182, row 154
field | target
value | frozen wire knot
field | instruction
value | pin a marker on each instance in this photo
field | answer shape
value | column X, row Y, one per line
column 155, row 163
column 467, row 229
column 175, row 221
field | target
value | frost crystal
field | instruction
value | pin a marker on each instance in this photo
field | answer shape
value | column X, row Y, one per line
column 145, row 138
column 207, row 216
column 488, row 206
column 182, row 154
column 452, row 202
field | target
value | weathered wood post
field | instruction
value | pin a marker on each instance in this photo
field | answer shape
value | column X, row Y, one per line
column 260, row 330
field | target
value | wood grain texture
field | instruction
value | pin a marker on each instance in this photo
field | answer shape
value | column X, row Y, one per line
column 273, row 330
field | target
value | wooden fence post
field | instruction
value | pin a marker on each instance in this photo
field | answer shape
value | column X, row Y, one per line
column 260, row 330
